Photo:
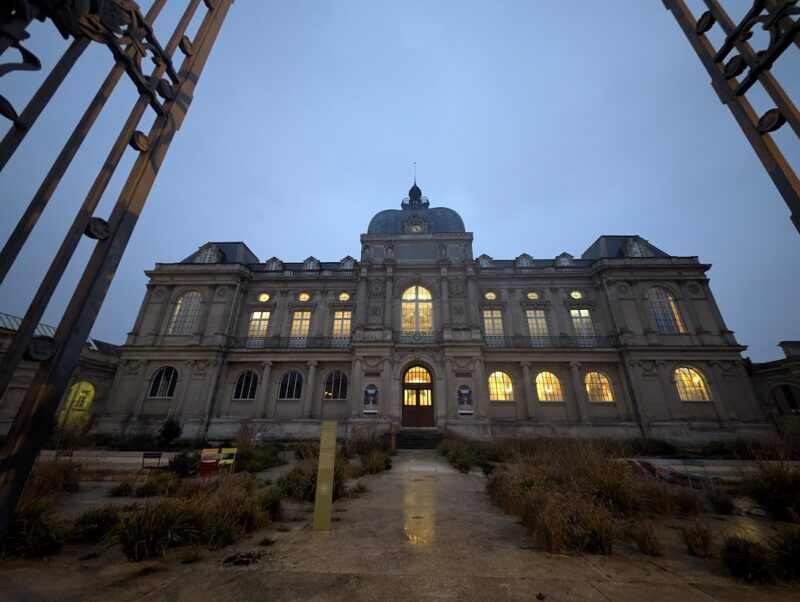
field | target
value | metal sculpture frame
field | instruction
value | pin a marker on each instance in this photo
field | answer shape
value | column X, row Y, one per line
column 733, row 77
column 168, row 91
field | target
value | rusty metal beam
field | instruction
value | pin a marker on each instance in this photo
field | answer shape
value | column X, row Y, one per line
column 37, row 413
column 757, row 130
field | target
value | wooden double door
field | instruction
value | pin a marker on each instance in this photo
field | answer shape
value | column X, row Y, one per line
column 418, row 398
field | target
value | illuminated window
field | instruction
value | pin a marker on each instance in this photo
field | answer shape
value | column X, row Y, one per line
column 301, row 321
column 163, row 384
column 576, row 294
column 500, row 387
column 691, row 384
column 341, row 324
column 537, row 322
column 598, row 387
column 259, row 320
column 582, row 322
column 263, row 297
column 291, row 385
column 335, row 385
column 417, row 375
column 303, row 297
column 208, row 255
column 344, row 297
column 548, row 387
column 417, row 310
column 533, row 296
column 185, row 313
column 493, row 322
column 75, row 413
column 245, row 387
column 490, row 296
column 664, row 311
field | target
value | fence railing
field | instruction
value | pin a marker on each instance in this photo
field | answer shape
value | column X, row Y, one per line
column 551, row 342
column 290, row 343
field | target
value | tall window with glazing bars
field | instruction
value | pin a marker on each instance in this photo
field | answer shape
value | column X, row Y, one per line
column 664, row 311
column 185, row 313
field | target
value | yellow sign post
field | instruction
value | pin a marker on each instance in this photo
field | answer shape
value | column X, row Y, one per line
column 327, row 456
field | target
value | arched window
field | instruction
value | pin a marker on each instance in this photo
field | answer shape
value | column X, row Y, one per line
column 664, row 311
column 291, row 385
column 691, row 384
column 598, row 387
column 208, row 255
column 184, row 316
column 417, row 310
column 548, row 387
column 75, row 413
column 500, row 387
column 245, row 387
column 163, row 384
column 335, row 385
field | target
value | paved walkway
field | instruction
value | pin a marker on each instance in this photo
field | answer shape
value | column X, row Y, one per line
column 422, row 532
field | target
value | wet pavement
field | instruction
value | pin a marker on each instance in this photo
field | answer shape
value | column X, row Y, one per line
column 422, row 531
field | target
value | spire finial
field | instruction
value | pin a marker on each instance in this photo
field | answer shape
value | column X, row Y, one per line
column 415, row 172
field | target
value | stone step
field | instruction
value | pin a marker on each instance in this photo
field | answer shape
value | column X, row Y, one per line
column 418, row 439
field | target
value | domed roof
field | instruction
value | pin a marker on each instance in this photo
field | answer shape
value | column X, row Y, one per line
column 415, row 213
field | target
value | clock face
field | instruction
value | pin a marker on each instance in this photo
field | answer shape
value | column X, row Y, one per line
column 416, row 228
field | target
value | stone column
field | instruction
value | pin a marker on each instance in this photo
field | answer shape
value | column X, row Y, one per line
column 671, row 399
column 356, row 390
column 531, row 399
column 389, row 299
column 482, row 392
column 285, row 313
column 386, row 386
column 472, row 298
column 309, row 397
column 581, row 399
column 450, row 389
column 263, row 391
column 182, row 390
column 361, row 299
column 445, row 297
column 142, row 393
column 715, row 389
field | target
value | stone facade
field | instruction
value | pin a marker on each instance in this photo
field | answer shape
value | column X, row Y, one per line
column 595, row 315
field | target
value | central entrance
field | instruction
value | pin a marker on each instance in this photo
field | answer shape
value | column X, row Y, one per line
column 417, row 397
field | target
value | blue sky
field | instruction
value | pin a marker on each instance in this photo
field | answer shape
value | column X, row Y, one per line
column 544, row 125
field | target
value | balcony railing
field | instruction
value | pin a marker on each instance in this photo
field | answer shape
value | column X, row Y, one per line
column 551, row 342
column 416, row 338
column 291, row 343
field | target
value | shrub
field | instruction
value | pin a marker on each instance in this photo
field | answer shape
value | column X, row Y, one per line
column 270, row 502
column 301, row 481
column 31, row 531
column 785, row 548
column 184, row 463
column 687, row 500
column 747, row 559
column 698, row 540
column 94, row 524
column 52, row 479
column 649, row 447
column 123, row 489
column 776, row 486
column 149, row 530
column 161, row 483
column 366, row 445
column 254, row 458
column 595, row 530
column 646, row 539
column 378, row 461
column 720, row 501
column 170, row 430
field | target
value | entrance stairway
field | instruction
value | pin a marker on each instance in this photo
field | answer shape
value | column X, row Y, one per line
column 419, row 439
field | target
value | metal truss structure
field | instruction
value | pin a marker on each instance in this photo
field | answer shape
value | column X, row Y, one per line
column 165, row 88
column 736, row 66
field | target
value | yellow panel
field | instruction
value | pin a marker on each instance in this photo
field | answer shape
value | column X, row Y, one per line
column 417, row 374
column 425, row 397
column 409, row 398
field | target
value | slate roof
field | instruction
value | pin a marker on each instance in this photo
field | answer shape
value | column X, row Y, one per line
column 9, row 322
column 614, row 246
column 232, row 252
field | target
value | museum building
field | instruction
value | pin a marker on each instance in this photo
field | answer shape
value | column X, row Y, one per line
column 624, row 341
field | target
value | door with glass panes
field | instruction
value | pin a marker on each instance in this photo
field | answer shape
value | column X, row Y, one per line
column 417, row 398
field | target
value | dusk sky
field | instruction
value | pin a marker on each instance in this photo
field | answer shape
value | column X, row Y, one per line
column 544, row 124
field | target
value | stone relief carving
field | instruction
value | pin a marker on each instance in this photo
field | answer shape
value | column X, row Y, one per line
column 377, row 288
column 457, row 288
